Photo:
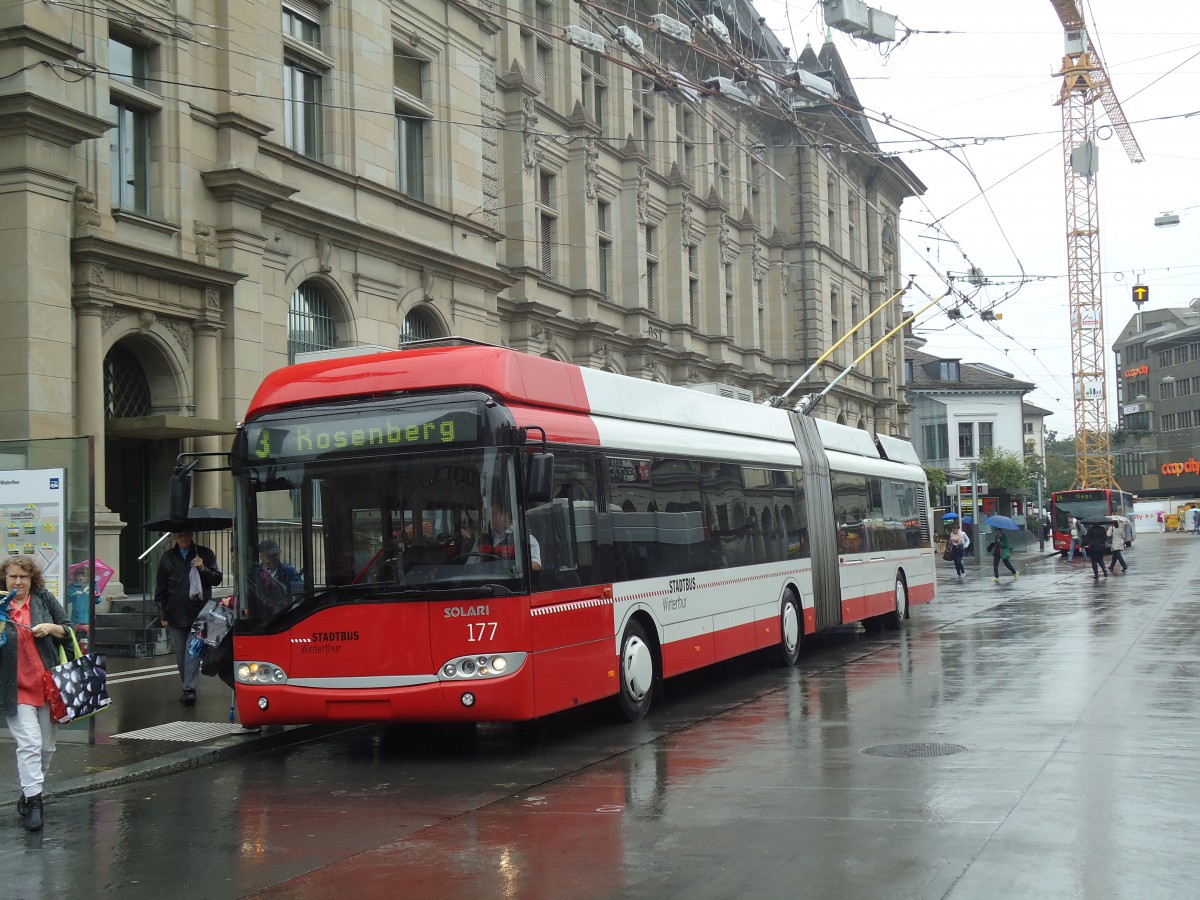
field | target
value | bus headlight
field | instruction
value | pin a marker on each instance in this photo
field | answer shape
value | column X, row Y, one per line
column 259, row 673
column 472, row 668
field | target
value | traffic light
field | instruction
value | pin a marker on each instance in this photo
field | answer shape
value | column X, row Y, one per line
column 1141, row 294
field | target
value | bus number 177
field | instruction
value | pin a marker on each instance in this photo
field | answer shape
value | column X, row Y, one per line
column 479, row 631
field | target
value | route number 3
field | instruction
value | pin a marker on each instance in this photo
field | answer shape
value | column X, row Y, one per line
column 481, row 631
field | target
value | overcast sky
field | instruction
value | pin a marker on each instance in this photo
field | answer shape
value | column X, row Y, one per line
column 983, row 75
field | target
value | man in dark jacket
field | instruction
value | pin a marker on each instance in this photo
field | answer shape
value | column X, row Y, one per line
column 187, row 574
column 1096, row 545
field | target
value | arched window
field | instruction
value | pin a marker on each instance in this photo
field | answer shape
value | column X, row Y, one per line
column 418, row 325
column 310, row 321
column 126, row 389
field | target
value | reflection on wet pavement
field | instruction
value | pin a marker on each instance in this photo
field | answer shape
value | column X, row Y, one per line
column 1077, row 703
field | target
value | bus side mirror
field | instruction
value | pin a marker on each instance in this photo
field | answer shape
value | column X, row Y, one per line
column 181, row 495
column 541, row 477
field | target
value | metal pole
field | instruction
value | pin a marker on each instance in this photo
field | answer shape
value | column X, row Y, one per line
column 975, row 514
column 1041, row 516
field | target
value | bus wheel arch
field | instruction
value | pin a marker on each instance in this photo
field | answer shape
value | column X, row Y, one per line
column 639, row 667
column 895, row 619
column 791, row 629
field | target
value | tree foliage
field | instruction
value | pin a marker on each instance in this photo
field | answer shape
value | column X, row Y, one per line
column 937, row 484
column 1005, row 470
column 1060, row 463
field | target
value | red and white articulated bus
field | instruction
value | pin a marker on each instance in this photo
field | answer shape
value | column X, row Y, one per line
column 478, row 534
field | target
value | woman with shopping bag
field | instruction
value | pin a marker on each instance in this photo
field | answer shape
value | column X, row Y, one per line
column 958, row 544
column 33, row 624
column 187, row 574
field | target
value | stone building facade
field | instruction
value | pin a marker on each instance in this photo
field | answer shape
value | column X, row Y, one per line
column 1156, row 445
column 196, row 191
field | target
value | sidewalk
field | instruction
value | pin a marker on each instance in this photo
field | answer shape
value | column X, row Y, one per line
column 148, row 732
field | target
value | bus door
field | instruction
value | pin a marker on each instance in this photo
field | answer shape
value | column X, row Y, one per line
column 826, row 578
column 850, row 504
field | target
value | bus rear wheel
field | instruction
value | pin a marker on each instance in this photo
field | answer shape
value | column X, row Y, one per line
column 637, row 672
column 895, row 619
column 791, row 631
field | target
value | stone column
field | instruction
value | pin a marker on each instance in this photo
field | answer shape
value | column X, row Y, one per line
column 89, row 382
column 89, row 414
column 206, row 490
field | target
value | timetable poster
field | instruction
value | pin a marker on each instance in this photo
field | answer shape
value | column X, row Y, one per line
column 32, row 502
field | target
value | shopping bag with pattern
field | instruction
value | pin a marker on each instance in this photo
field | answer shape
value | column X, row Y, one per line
column 82, row 680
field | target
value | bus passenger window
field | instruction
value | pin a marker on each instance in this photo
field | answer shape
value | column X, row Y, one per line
column 566, row 527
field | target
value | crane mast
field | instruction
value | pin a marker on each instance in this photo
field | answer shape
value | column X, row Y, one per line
column 1084, row 82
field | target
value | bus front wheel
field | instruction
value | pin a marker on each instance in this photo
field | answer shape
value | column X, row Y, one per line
column 791, row 631
column 637, row 667
column 895, row 619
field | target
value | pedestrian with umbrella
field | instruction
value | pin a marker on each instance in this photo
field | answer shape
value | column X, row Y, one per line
column 1097, row 543
column 999, row 547
column 187, row 573
column 1116, row 541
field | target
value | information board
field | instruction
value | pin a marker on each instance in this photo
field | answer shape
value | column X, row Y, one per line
column 32, row 502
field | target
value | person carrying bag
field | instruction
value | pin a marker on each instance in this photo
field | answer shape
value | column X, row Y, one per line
column 31, row 625
column 957, row 545
column 186, row 576
column 1001, row 553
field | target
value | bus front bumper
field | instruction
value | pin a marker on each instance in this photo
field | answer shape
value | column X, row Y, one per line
column 496, row 700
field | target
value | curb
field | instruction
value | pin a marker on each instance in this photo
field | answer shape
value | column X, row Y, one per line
column 223, row 749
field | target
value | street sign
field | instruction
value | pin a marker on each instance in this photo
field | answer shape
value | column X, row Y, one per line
column 1141, row 294
column 964, row 488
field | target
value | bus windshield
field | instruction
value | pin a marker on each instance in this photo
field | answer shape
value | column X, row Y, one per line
column 383, row 526
column 1081, row 505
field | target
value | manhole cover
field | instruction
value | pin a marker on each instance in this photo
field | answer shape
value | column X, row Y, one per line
column 180, row 731
column 915, row 750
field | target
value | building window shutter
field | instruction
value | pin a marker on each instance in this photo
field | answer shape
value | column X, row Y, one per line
column 408, row 74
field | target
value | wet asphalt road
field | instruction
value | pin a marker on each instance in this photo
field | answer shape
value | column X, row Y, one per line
column 1066, row 710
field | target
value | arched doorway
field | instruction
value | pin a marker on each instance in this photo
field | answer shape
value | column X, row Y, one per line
column 128, row 461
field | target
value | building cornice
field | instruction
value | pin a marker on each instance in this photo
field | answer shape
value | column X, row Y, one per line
column 48, row 120
column 142, row 261
column 236, row 184
column 31, row 38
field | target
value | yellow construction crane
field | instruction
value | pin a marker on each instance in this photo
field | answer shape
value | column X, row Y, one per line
column 1084, row 82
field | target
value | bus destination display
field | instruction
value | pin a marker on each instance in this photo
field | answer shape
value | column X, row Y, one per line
column 346, row 435
column 1082, row 496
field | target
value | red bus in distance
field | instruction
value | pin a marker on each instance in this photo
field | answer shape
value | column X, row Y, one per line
column 1088, row 503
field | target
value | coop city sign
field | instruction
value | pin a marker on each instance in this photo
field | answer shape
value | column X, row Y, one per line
column 1191, row 467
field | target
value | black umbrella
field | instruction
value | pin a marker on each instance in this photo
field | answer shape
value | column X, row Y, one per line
column 1103, row 523
column 199, row 518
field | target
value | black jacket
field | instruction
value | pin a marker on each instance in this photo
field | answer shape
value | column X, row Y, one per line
column 171, row 586
column 1095, row 542
column 43, row 607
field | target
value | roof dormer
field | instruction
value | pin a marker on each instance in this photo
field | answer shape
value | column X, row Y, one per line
column 943, row 370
